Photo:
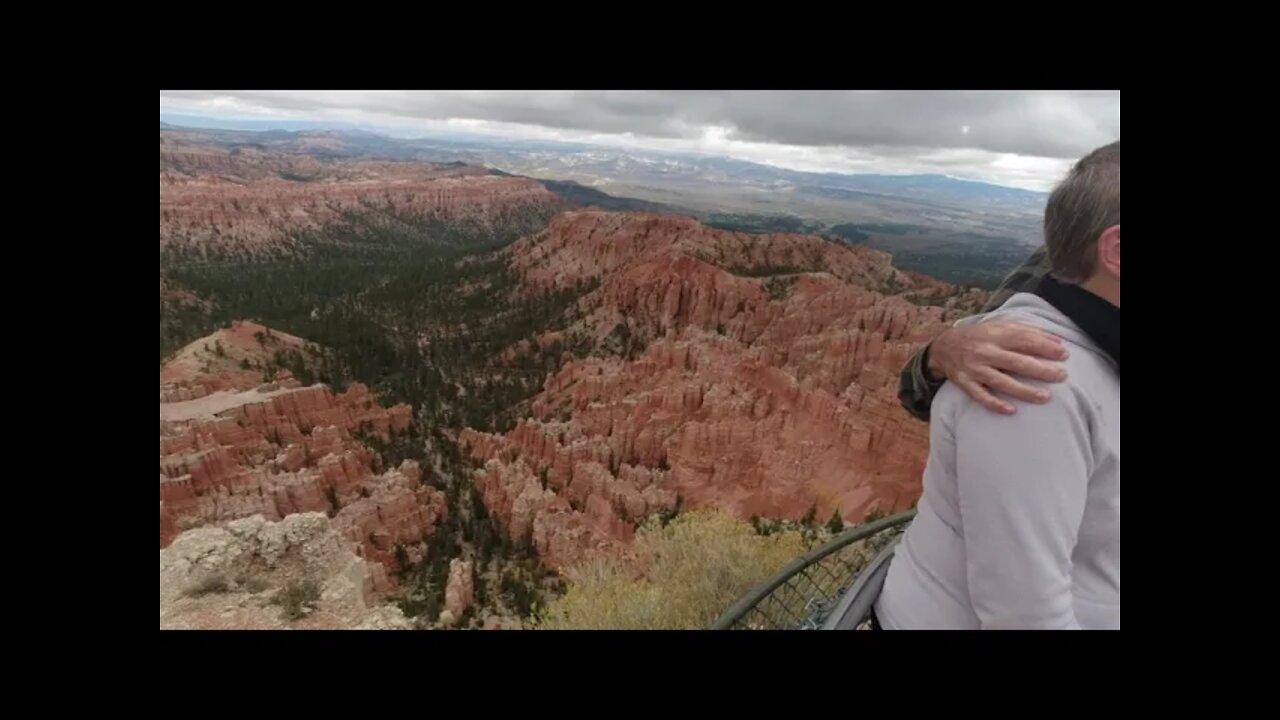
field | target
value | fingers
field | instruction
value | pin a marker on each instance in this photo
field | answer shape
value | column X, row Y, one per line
column 1026, row 366
column 975, row 390
column 1031, row 341
column 997, row 381
column 1011, row 353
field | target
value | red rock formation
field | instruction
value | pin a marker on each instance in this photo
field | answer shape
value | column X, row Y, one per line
column 459, row 593
column 187, row 156
column 759, row 395
column 278, row 450
column 200, row 369
column 590, row 243
column 209, row 197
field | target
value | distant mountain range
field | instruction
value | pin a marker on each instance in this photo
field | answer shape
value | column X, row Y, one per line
column 706, row 183
column 958, row 230
column 713, row 184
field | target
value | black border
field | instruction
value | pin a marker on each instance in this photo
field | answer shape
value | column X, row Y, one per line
column 993, row 61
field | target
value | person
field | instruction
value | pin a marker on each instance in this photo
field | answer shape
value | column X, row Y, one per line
column 1019, row 523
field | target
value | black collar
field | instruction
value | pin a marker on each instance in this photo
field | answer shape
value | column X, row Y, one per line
column 1099, row 319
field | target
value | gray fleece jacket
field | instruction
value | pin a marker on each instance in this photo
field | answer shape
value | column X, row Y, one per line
column 1019, row 524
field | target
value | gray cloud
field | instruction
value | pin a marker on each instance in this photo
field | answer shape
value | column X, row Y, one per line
column 1057, row 125
column 1053, row 124
column 1024, row 139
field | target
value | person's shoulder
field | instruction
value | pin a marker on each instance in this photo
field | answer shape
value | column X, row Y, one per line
column 1068, row 403
column 1022, row 306
column 1034, row 311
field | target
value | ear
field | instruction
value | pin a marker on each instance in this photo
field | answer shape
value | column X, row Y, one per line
column 1109, row 251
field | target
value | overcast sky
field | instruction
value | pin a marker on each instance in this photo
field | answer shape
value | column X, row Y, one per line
column 1020, row 138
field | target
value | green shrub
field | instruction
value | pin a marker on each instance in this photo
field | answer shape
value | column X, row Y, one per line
column 686, row 573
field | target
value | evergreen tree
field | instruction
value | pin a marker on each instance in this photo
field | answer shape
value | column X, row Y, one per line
column 836, row 524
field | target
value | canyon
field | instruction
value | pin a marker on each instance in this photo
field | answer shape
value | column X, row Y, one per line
column 683, row 367
column 763, row 396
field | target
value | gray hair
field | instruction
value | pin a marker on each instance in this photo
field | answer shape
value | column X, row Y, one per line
column 1080, row 208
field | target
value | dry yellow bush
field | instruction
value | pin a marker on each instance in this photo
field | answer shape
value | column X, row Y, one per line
column 685, row 574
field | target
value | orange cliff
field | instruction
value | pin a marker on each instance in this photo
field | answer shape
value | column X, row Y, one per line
column 758, row 395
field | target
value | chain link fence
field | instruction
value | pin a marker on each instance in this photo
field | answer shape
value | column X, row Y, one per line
column 802, row 594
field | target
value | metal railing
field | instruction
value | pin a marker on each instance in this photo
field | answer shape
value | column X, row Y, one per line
column 802, row 594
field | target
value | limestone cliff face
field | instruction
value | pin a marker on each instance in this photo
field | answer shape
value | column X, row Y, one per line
column 245, row 565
